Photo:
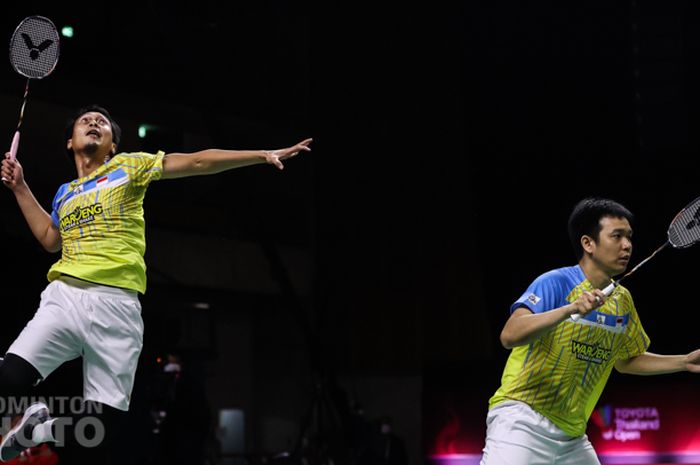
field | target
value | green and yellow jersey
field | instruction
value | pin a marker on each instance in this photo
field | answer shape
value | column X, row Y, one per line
column 562, row 374
column 100, row 218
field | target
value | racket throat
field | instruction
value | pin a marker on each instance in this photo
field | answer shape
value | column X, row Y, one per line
column 24, row 104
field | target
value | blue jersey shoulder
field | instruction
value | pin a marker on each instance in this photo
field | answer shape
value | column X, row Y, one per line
column 550, row 289
column 58, row 198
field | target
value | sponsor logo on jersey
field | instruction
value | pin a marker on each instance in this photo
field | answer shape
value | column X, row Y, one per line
column 590, row 353
column 80, row 216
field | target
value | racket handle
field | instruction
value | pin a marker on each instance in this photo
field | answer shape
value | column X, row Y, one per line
column 607, row 291
column 15, row 144
column 13, row 147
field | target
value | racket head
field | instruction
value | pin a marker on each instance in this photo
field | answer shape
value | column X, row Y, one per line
column 34, row 47
column 684, row 230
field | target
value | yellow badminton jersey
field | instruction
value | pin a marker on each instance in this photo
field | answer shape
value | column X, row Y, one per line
column 100, row 218
column 562, row 374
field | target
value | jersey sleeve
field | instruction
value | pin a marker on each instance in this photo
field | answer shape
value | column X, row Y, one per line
column 547, row 292
column 57, row 203
column 142, row 167
column 636, row 341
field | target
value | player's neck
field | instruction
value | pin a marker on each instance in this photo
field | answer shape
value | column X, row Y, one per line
column 594, row 274
column 86, row 164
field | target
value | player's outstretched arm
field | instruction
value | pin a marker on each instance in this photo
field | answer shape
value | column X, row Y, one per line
column 211, row 161
column 38, row 219
column 655, row 364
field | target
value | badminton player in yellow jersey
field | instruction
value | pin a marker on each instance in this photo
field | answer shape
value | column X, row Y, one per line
column 90, row 308
column 558, row 367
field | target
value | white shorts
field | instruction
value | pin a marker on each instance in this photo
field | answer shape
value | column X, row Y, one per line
column 517, row 435
column 100, row 323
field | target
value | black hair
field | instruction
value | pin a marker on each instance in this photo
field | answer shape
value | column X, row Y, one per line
column 585, row 219
column 116, row 130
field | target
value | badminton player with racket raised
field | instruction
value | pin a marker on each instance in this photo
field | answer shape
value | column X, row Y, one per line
column 559, row 365
column 97, row 223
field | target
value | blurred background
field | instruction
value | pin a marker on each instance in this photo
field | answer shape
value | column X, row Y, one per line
column 347, row 309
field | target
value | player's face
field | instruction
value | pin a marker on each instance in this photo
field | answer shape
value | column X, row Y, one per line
column 613, row 249
column 92, row 133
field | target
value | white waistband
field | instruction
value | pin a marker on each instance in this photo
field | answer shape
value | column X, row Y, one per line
column 100, row 288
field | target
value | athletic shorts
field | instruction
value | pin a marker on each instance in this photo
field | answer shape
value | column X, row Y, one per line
column 517, row 435
column 100, row 323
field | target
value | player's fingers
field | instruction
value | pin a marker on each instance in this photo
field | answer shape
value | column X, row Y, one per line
column 589, row 300
column 582, row 303
column 599, row 297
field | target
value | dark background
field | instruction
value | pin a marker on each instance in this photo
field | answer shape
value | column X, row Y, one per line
column 450, row 143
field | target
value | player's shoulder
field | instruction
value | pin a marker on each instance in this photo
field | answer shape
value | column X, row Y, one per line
column 623, row 292
column 134, row 162
column 62, row 189
column 124, row 156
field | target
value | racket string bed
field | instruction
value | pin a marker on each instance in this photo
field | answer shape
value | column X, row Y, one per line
column 34, row 51
column 685, row 227
column 34, row 47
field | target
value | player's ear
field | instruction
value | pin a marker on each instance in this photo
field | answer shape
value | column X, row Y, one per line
column 587, row 243
column 69, row 144
column 114, row 149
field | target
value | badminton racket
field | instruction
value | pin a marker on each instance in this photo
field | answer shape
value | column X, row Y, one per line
column 683, row 232
column 34, row 50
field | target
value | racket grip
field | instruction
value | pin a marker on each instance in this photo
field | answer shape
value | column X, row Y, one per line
column 15, row 144
column 607, row 291
column 13, row 147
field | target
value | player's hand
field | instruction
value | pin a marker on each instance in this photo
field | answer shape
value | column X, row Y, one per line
column 692, row 361
column 588, row 301
column 12, row 173
column 275, row 157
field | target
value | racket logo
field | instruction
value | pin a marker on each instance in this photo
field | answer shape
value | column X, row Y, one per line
column 695, row 221
column 34, row 50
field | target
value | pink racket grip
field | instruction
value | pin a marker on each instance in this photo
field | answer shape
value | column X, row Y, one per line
column 15, row 144
column 607, row 291
column 13, row 148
